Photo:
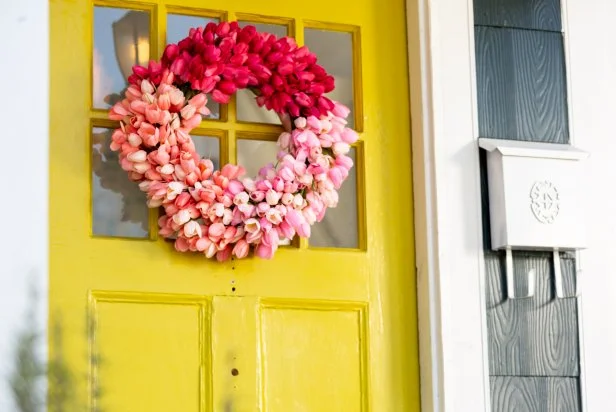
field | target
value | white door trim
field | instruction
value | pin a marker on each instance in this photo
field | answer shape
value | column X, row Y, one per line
column 448, row 216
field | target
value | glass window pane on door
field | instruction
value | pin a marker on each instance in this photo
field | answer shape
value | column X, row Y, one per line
column 339, row 227
column 121, row 40
column 334, row 51
column 118, row 205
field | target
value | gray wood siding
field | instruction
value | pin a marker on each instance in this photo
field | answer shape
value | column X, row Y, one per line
column 521, row 86
column 523, row 14
column 535, row 336
column 515, row 394
column 521, row 95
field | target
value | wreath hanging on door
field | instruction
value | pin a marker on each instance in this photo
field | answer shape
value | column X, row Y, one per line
column 221, row 213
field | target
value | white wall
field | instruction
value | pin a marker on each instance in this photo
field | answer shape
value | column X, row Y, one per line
column 24, row 97
column 449, row 248
column 592, row 75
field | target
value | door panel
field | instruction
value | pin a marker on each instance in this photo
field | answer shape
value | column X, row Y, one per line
column 327, row 325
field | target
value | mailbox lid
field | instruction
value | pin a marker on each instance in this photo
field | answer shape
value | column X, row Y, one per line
column 532, row 149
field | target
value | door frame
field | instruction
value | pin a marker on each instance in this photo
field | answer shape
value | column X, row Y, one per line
column 449, row 245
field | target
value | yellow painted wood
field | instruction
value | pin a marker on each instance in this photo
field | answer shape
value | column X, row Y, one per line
column 311, row 330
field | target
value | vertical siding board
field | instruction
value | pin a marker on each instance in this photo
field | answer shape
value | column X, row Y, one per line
column 523, row 14
column 531, row 337
column 521, row 95
column 521, row 85
column 540, row 394
column 540, row 86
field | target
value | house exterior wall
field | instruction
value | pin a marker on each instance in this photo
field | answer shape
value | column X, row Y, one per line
column 24, row 107
column 450, row 254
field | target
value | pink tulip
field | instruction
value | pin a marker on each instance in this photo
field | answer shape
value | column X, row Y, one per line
column 314, row 123
column 192, row 228
column 344, row 161
column 253, row 238
column 257, row 196
column 118, row 112
column 133, row 92
column 336, row 176
column 147, row 87
column 216, row 230
column 264, row 252
column 341, row 110
column 181, row 217
column 262, row 208
column 287, row 230
column 304, row 230
column 210, row 250
column 188, row 111
column 349, row 136
column 232, row 171
column 284, row 140
column 202, row 244
column 272, row 197
column 294, row 218
column 192, row 122
column 241, row 198
column 241, row 248
column 181, row 245
column 340, row 148
column 286, row 174
column 300, row 122
column 164, row 101
column 273, row 216
column 224, row 254
column 138, row 107
column 235, row 187
column 252, row 225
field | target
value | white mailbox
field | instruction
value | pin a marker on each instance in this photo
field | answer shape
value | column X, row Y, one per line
column 537, row 200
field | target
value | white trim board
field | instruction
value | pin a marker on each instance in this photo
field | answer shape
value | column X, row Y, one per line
column 450, row 264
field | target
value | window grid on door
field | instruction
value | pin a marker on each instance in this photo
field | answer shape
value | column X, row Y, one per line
column 231, row 130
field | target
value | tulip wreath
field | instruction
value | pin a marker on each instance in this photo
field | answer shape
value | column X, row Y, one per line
column 219, row 212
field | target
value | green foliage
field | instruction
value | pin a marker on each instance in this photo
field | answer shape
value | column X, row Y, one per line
column 29, row 370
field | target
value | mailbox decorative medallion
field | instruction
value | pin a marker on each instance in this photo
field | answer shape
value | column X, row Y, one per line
column 545, row 201
column 221, row 213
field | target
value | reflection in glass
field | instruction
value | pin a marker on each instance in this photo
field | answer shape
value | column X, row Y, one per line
column 209, row 148
column 121, row 40
column 118, row 206
column 178, row 26
column 254, row 154
column 247, row 108
column 334, row 50
column 339, row 226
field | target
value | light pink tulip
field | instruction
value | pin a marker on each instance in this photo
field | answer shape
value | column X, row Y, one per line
column 272, row 197
column 241, row 248
column 252, row 225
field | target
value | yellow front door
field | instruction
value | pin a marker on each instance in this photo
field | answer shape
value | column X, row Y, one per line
column 326, row 325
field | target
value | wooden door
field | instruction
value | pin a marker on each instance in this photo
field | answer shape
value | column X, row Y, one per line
column 327, row 325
